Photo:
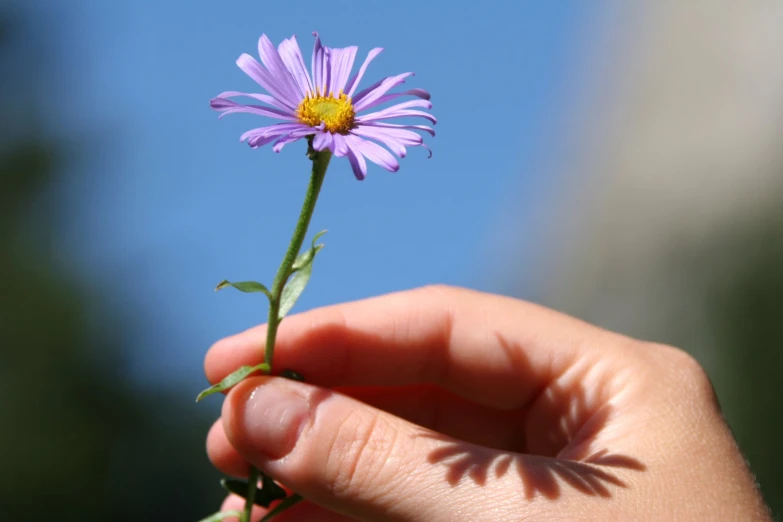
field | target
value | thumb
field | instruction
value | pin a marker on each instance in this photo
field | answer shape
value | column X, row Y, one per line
column 357, row 460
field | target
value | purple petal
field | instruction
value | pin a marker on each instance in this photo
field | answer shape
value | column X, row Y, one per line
column 394, row 138
column 294, row 62
column 420, row 93
column 387, row 115
column 406, row 137
column 282, row 142
column 423, row 128
column 272, row 130
column 271, row 100
column 340, row 63
column 277, row 69
column 323, row 140
column 340, row 147
column 353, row 83
column 406, row 105
column 378, row 89
column 356, row 160
column 252, row 68
column 379, row 135
column 259, row 141
column 373, row 152
column 228, row 107
column 318, row 65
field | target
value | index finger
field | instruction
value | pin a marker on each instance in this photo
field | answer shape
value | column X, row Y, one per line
column 494, row 350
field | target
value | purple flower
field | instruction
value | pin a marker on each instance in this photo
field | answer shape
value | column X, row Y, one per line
column 325, row 104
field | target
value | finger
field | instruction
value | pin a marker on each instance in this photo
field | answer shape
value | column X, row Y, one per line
column 427, row 406
column 223, row 455
column 236, row 503
column 304, row 510
column 494, row 350
column 354, row 459
column 439, row 410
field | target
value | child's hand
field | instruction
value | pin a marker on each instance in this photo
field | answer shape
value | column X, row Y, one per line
column 444, row 404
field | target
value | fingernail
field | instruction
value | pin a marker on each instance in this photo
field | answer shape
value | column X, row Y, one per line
column 274, row 415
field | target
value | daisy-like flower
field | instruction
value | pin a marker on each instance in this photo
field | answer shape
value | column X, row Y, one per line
column 325, row 104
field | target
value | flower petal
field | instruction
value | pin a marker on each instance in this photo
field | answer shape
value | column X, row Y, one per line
column 356, row 160
column 393, row 143
column 226, row 106
column 318, row 65
column 323, row 140
column 373, row 152
column 255, row 70
column 277, row 129
column 340, row 147
column 277, row 69
column 271, row 100
column 340, row 64
column 423, row 128
column 353, row 83
column 386, row 114
column 378, row 89
column 420, row 93
column 282, row 142
column 394, row 138
column 294, row 62
column 404, row 136
column 404, row 105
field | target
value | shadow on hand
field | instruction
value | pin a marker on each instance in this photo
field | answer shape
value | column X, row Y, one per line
column 567, row 422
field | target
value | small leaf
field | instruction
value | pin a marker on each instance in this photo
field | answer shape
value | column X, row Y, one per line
column 217, row 517
column 268, row 493
column 289, row 502
column 294, row 289
column 232, row 379
column 303, row 269
column 308, row 255
column 245, row 286
column 237, row 487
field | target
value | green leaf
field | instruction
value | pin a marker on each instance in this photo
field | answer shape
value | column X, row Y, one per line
column 285, row 504
column 217, row 517
column 232, row 379
column 302, row 270
column 245, row 286
column 268, row 493
column 307, row 256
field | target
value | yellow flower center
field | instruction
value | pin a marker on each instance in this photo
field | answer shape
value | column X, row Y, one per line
column 336, row 114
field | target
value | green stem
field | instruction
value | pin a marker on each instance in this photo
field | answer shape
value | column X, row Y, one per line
column 252, row 487
column 320, row 161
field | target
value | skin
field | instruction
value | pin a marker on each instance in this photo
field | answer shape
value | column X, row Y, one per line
column 443, row 404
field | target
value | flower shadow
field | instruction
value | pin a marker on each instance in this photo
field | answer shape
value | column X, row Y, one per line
column 567, row 422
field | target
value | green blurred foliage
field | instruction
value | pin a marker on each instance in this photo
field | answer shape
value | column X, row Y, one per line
column 744, row 304
column 78, row 442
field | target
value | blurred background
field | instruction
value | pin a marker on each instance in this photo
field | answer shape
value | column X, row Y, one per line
column 621, row 162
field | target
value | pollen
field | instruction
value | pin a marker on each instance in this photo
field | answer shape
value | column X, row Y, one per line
column 336, row 113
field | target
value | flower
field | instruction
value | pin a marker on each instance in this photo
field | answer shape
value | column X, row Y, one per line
column 324, row 105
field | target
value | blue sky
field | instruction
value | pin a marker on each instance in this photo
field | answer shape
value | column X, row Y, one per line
column 162, row 201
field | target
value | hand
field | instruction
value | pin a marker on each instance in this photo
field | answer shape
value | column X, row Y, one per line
column 443, row 404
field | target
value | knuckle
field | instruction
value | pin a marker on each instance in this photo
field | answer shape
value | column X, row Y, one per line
column 690, row 378
column 358, row 463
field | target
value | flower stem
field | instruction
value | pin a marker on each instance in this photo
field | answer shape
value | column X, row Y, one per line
column 252, row 486
column 320, row 161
